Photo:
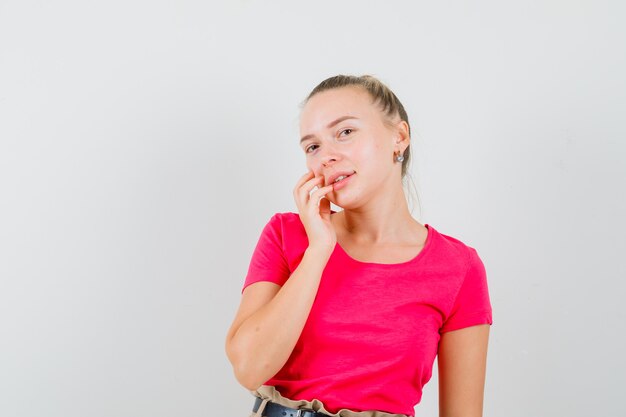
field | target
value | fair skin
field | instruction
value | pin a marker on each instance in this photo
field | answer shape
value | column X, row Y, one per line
column 374, row 226
column 375, row 213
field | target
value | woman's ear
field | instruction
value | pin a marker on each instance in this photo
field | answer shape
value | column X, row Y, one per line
column 403, row 133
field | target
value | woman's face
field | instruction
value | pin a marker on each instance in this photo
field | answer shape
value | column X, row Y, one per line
column 343, row 132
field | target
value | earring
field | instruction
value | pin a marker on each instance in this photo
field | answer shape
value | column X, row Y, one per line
column 399, row 158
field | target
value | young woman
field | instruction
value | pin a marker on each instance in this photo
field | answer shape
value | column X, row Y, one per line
column 343, row 313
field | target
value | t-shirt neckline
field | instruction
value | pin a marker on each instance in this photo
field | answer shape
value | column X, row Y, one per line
column 415, row 259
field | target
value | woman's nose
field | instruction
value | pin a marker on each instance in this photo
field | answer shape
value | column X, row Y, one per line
column 328, row 155
column 328, row 161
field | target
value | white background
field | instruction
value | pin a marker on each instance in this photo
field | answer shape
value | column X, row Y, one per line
column 144, row 144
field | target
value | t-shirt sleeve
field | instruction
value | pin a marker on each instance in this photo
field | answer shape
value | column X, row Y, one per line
column 472, row 305
column 268, row 261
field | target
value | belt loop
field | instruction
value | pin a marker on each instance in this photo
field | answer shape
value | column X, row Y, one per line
column 300, row 412
column 261, row 408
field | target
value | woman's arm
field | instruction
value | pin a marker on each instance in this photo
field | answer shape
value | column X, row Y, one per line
column 269, row 321
column 462, row 364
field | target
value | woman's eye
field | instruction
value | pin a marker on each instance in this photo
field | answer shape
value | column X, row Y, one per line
column 311, row 147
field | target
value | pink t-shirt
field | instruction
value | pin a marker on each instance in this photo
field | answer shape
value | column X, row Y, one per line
column 372, row 335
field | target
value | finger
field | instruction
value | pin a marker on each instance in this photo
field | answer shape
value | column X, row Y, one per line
column 305, row 189
column 304, row 178
column 303, row 194
column 324, row 207
column 321, row 201
column 296, row 189
column 320, row 193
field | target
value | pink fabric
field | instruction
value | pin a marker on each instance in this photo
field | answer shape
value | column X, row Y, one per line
column 372, row 335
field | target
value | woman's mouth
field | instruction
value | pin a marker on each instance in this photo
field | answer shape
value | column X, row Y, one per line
column 341, row 182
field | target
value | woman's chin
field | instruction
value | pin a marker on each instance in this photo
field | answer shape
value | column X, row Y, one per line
column 334, row 202
column 341, row 204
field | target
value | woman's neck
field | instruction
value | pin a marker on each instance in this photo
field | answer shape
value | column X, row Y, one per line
column 393, row 224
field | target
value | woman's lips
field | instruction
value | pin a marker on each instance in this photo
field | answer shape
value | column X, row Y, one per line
column 340, row 184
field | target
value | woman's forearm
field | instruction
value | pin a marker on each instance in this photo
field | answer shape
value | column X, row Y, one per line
column 265, row 340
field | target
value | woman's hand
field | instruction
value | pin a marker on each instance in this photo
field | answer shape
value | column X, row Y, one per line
column 314, row 211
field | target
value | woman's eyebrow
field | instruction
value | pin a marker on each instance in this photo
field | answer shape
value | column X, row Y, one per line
column 331, row 124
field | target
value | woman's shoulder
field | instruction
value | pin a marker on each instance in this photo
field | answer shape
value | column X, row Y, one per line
column 286, row 217
column 287, row 222
column 288, row 228
column 454, row 246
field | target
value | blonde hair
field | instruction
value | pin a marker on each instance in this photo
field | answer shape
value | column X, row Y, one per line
column 381, row 95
